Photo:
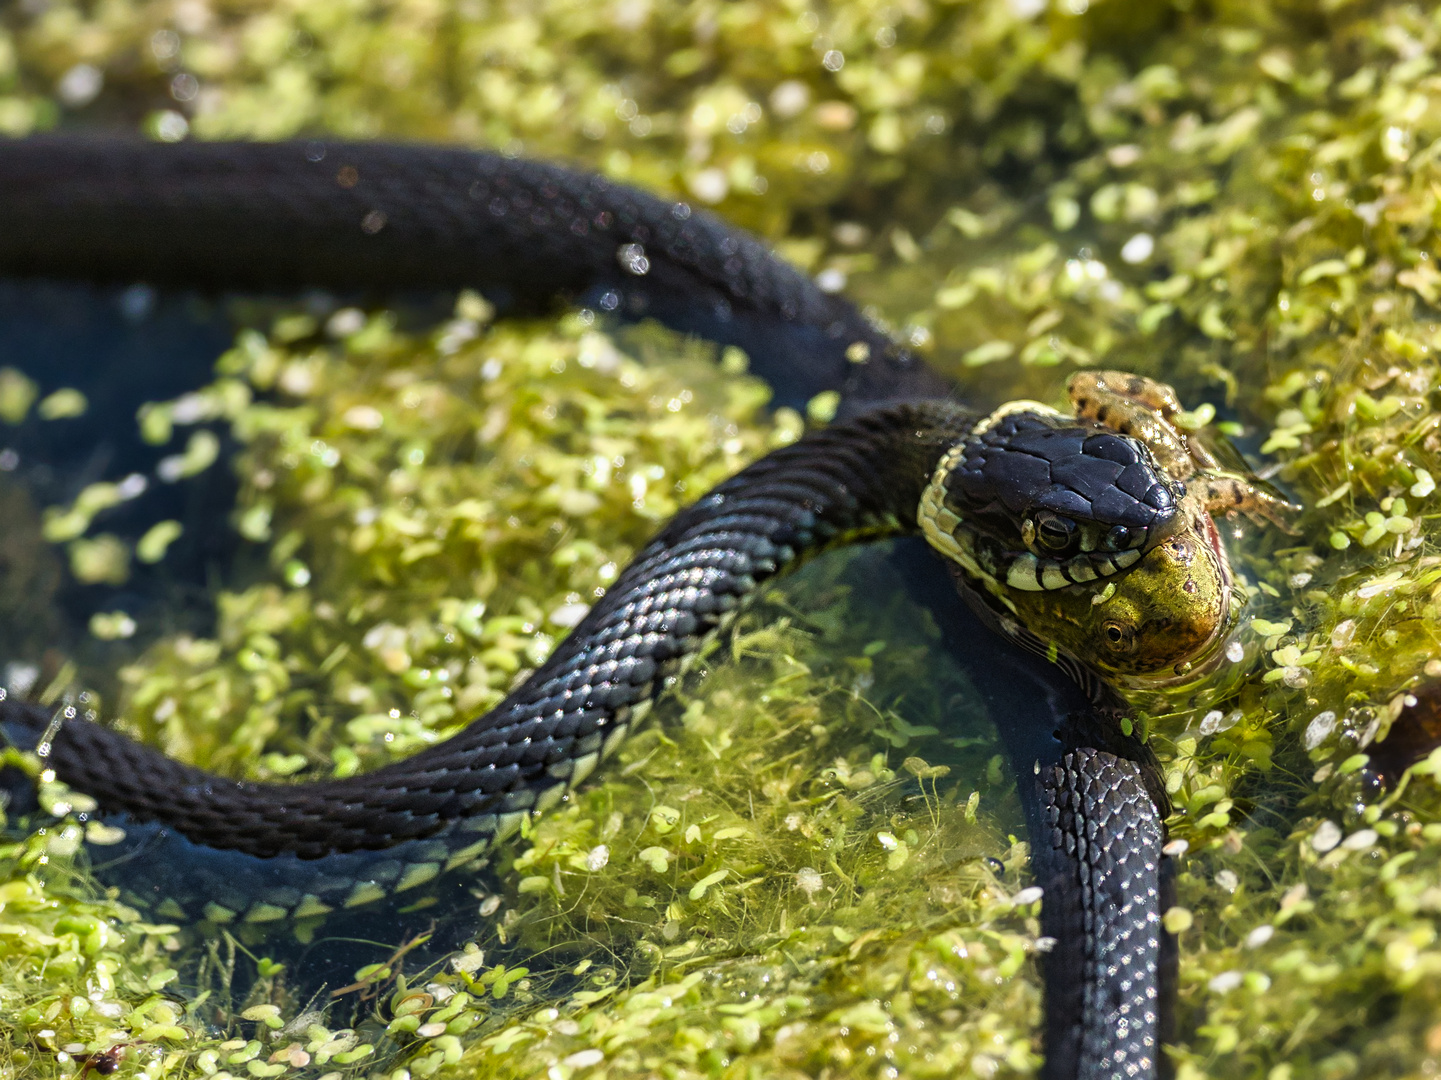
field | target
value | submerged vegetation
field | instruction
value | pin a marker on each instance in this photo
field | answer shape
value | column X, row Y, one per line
column 805, row 862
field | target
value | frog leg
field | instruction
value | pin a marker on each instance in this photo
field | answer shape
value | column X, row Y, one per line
column 1226, row 493
column 1144, row 409
column 1156, row 396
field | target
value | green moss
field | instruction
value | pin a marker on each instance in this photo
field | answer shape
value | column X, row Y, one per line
column 1237, row 198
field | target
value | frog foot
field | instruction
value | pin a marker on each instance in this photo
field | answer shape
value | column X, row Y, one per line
column 1144, row 409
column 1221, row 492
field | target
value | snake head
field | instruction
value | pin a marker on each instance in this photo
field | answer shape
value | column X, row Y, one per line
column 1033, row 501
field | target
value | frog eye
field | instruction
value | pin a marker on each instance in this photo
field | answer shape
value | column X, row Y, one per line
column 1121, row 537
column 1120, row 636
column 1056, row 535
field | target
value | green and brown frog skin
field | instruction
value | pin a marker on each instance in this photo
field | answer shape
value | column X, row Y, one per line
column 1164, row 619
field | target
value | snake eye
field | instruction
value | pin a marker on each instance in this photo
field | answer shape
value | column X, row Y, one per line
column 1120, row 538
column 1055, row 534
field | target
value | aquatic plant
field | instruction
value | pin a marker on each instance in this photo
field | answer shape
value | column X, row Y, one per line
column 775, row 877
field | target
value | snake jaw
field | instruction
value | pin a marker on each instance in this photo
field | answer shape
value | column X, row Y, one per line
column 1031, row 501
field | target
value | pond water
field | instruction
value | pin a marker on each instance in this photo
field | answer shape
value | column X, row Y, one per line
column 349, row 534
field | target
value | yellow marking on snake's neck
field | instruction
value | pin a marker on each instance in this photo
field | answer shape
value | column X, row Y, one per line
column 939, row 522
column 1010, row 408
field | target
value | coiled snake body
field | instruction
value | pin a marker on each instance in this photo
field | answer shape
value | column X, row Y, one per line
column 1036, row 511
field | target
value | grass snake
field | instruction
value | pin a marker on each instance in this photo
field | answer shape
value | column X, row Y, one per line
column 1035, row 511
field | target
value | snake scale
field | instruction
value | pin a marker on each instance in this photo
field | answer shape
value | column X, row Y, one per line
column 385, row 217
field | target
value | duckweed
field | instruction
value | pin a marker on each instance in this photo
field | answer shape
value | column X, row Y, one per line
column 774, row 878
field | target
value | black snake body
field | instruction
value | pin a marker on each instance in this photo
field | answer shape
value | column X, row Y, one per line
column 388, row 217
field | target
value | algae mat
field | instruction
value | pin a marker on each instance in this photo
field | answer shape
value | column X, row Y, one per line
column 806, row 867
